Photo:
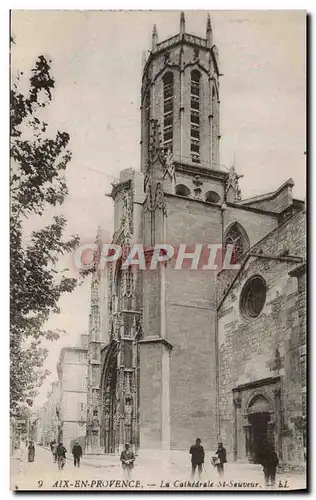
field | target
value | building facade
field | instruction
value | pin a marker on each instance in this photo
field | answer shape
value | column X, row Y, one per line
column 97, row 340
column 181, row 352
column 262, row 347
column 72, row 374
column 48, row 425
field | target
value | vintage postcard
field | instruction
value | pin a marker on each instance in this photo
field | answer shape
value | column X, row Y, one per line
column 158, row 261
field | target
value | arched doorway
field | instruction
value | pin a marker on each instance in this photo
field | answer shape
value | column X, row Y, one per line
column 120, row 386
column 260, row 428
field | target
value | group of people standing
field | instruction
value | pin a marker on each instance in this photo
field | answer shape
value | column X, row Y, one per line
column 267, row 458
column 198, row 456
column 59, row 454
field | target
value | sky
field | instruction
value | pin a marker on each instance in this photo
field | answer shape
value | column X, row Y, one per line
column 96, row 62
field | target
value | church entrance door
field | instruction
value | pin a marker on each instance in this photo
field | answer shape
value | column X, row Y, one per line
column 258, row 434
column 261, row 431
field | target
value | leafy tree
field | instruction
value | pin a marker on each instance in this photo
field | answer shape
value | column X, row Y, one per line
column 37, row 181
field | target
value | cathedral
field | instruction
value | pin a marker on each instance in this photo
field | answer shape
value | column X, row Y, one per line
column 176, row 354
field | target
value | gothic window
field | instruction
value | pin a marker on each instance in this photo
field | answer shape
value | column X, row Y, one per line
column 195, row 116
column 253, row 297
column 237, row 237
column 168, row 111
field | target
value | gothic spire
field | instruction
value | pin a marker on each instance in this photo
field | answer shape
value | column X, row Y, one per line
column 182, row 23
column 154, row 38
column 209, row 33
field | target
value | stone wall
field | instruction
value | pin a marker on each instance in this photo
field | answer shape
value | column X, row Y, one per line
column 266, row 238
column 289, row 237
column 248, row 347
column 151, row 395
column 253, row 349
column 302, row 318
column 256, row 224
column 191, row 324
column 300, row 274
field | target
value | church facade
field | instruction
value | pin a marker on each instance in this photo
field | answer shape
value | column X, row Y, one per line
column 180, row 353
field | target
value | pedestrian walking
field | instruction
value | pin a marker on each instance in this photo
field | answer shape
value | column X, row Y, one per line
column 127, row 459
column 197, row 457
column 61, row 456
column 219, row 458
column 77, row 454
column 269, row 461
column 31, row 452
column 54, row 451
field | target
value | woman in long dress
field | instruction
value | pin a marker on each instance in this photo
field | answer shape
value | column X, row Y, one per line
column 31, row 452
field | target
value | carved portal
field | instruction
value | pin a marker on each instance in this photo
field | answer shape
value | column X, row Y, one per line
column 120, row 369
column 257, row 416
column 120, row 388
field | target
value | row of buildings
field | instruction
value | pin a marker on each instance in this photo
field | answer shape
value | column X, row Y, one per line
column 63, row 416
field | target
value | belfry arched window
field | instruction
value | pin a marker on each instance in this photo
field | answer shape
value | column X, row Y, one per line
column 238, row 238
column 195, row 116
column 168, row 110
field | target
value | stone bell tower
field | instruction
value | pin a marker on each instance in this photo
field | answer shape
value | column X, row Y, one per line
column 180, row 89
column 184, row 189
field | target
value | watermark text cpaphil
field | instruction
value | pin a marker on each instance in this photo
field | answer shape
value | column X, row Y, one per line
column 199, row 256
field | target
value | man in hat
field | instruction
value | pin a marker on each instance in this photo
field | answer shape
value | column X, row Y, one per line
column 197, row 457
column 269, row 461
column 77, row 453
column 127, row 459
